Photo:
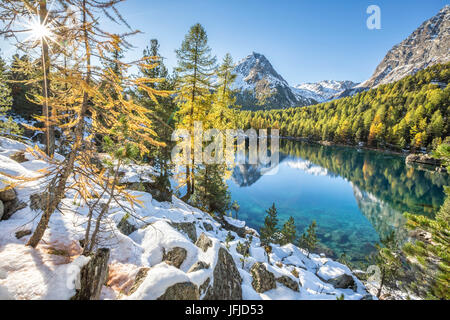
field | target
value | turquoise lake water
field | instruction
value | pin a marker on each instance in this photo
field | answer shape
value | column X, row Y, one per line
column 355, row 196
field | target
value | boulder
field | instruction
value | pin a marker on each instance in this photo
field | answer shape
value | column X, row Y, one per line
column 203, row 242
column 367, row 297
column 125, row 227
column 423, row 159
column 288, row 282
column 263, row 280
column 226, row 279
column 93, row 276
column 181, row 291
column 175, row 257
column 12, row 207
column 204, row 286
column 8, row 195
column 344, row 281
column 37, row 202
column 208, row 227
column 199, row 265
column 140, row 277
column 187, row 228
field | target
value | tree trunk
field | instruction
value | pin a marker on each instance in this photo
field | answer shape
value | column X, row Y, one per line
column 57, row 194
column 49, row 137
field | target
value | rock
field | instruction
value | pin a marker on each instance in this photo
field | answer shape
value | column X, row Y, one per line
column 125, row 227
column 227, row 280
column 288, row 282
column 367, row 297
column 423, row 159
column 181, row 291
column 199, row 265
column 2, row 210
column 344, row 281
column 8, row 195
column 208, row 227
column 140, row 277
column 263, row 280
column 188, row 228
column 175, row 257
column 37, row 201
column 93, row 276
column 203, row 242
column 204, row 286
column 12, row 207
column 23, row 233
column 19, row 157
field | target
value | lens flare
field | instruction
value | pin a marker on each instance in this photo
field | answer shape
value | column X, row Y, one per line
column 40, row 31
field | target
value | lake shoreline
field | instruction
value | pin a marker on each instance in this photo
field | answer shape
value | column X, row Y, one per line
column 406, row 154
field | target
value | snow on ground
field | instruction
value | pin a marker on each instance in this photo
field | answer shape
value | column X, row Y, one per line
column 50, row 271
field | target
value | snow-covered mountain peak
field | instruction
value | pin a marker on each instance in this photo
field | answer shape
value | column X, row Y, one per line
column 323, row 90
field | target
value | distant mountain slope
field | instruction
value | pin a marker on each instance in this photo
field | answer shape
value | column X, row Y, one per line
column 426, row 46
column 323, row 90
column 259, row 86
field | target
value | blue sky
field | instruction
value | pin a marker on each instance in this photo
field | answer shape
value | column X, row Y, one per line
column 306, row 40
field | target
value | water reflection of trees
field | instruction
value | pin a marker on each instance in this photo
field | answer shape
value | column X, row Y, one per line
column 383, row 175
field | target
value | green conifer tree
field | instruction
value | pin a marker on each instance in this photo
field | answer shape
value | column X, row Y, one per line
column 289, row 232
column 308, row 240
column 270, row 228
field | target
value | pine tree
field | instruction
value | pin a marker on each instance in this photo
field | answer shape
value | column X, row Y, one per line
column 194, row 84
column 83, row 90
column 432, row 257
column 289, row 232
column 387, row 259
column 211, row 191
column 162, row 114
column 269, row 230
column 308, row 240
column 10, row 11
column 7, row 126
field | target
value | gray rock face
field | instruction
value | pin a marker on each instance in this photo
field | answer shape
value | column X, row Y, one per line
column 93, row 276
column 208, row 227
column 203, row 242
column 175, row 257
column 344, row 281
column 8, row 195
column 259, row 86
column 140, row 277
column 288, row 282
column 199, row 265
column 227, row 280
column 125, row 227
column 187, row 228
column 423, row 159
column 263, row 280
column 37, row 201
column 12, row 207
column 181, row 291
column 426, row 46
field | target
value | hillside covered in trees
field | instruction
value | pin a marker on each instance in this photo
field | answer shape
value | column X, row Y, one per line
column 409, row 114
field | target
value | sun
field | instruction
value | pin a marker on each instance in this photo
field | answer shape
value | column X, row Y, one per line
column 40, row 31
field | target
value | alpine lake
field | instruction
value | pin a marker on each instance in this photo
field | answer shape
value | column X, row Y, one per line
column 356, row 196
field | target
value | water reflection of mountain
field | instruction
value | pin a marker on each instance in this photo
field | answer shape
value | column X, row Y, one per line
column 381, row 215
column 245, row 175
column 385, row 176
